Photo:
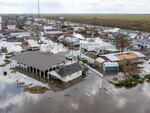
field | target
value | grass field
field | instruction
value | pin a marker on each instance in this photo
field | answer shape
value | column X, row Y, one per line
column 129, row 21
column 122, row 17
column 136, row 17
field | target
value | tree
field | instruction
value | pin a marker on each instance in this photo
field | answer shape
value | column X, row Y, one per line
column 131, row 70
column 20, row 22
column 122, row 42
column 37, row 30
column 4, row 50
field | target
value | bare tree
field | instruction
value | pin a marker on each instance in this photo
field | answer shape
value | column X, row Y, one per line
column 131, row 70
column 122, row 42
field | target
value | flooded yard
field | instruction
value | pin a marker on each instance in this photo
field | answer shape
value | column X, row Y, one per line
column 93, row 94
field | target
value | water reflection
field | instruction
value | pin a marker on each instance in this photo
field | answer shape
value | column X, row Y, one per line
column 85, row 97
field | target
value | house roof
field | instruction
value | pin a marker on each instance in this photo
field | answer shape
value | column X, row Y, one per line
column 20, row 34
column 111, row 64
column 33, row 43
column 100, row 60
column 114, row 30
column 124, row 56
column 69, row 69
column 39, row 60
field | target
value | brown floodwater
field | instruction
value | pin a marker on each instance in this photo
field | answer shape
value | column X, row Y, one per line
column 92, row 95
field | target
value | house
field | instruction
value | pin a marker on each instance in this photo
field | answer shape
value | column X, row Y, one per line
column 99, row 62
column 48, row 28
column 124, row 58
column 105, row 50
column 114, row 30
column 110, row 67
column 11, row 27
column 39, row 63
column 22, row 34
column 79, row 36
column 89, row 59
column 72, row 41
column 11, row 38
column 32, row 45
column 68, row 73
column 52, row 31
column 95, row 44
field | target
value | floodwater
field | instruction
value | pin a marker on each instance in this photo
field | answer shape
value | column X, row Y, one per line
column 92, row 95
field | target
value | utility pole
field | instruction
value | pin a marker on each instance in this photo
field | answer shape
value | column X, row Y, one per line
column 38, row 9
column 38, row 26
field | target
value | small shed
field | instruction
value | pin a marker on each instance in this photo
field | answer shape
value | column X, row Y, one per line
column 110, row 67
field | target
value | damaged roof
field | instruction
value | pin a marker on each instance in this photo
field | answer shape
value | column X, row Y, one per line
column 69, row 69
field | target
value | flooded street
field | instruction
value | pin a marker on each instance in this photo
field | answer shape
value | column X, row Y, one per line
column 91, row 95
column 85, row 97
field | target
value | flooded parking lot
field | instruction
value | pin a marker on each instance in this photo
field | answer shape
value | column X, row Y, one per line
column 93, row 94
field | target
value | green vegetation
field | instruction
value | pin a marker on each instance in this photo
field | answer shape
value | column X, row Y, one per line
column 116, row 17
column 36, row 89
column 2, row 65
column 13, row 70
column 4, row 50
column 131, row 82
column 147, row 78
column 134, row 22
column 84, row 61
column 9, row 55
column 6, row 63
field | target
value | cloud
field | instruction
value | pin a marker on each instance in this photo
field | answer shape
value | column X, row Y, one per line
column 75, row 6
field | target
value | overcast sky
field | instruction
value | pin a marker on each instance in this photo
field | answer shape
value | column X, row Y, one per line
column 75, row 6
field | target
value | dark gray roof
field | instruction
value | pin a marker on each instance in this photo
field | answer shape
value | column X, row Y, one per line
column 39, row 60
column 69, row 69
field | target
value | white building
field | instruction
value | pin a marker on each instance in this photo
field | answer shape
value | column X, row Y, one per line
column 114, row 30
column 50, row 29
column 110, row 67
column 68, row 72
column 89, row 59
column 11, row 27
column 33, row 45
column 95, row 44
column 72, row 40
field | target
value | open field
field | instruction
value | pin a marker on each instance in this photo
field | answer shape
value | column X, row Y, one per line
column 133, row 22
